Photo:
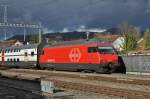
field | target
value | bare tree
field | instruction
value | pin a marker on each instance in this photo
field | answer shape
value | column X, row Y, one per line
column 130, row 34
column 125, row 28
column 147, row 40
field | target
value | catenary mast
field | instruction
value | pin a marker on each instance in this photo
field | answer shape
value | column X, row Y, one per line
column 5, row 24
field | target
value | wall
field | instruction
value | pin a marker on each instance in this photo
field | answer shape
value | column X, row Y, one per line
column 137, row 63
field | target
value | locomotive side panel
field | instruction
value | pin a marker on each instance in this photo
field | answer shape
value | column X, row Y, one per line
column 77, row 54
column 69, row 57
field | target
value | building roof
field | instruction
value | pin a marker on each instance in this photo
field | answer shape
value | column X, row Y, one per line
column 77, row 42
column 107, row 38
column 7, row 43
column 22, row 47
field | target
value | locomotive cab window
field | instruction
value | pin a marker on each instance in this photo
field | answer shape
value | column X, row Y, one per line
column 32, row 53
column 106, row 50
column 92, row 49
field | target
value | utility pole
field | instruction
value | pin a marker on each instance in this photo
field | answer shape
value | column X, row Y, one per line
column 40, row 33
column 87, row 35
column 24, row 34
column 5, row 19
column 5, row 25
column 5, row 13
column 147, row 7
column 24, row 26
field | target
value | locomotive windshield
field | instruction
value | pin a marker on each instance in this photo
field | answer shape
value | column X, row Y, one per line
column 106, row 50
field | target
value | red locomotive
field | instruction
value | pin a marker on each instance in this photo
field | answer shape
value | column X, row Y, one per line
column 80, row 57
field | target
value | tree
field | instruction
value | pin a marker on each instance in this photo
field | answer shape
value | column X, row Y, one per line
column 126, row 28
column 147, row 40
column 130, row 42
column 130, row 34
column 34, row 38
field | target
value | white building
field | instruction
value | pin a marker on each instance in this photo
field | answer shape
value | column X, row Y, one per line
column 18, row 43
column 118, row 43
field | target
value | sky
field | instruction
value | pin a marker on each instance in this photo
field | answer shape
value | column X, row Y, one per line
column 70, row 15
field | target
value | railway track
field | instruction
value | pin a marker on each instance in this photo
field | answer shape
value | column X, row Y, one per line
column 98, row 77
column 18, row 89
column 89, row 83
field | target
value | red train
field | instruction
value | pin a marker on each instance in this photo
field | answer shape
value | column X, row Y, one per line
column 101, row 58
column 79, row 56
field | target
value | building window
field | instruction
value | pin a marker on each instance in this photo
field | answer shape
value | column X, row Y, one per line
column 11, row 60
column 8, row 59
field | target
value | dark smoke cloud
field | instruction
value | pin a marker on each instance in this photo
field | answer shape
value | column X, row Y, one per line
column 57, row 15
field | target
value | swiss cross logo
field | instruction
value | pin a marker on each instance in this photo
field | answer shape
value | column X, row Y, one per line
column 75, row 55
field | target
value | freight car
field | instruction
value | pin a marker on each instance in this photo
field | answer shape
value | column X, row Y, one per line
column 81, row 56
